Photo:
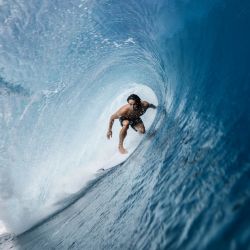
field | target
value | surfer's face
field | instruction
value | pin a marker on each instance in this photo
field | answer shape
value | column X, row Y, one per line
column 133, row 104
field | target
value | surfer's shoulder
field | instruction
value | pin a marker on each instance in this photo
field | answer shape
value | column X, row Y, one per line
column 145, row 104
column 123, row 110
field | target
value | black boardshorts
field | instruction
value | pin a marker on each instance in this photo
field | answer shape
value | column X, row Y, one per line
column 132, row 122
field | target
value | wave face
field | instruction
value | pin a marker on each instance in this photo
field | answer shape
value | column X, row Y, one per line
column 67, row 65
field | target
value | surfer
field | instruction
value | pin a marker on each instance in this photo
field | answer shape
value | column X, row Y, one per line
column 129, row 114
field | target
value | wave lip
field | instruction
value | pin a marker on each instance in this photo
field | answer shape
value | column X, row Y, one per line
column 185, row 185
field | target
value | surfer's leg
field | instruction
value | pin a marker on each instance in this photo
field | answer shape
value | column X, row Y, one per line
column 123, row 133
column 139, row 127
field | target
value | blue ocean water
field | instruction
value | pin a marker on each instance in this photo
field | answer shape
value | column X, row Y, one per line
column 64, row 68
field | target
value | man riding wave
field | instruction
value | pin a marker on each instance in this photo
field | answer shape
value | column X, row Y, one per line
column 129, row 114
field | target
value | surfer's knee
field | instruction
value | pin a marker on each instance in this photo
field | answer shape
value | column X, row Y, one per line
column 142, row 131
column 140, row 128
column 125, row 124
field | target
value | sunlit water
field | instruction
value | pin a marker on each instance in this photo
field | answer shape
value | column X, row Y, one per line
column 66, row 66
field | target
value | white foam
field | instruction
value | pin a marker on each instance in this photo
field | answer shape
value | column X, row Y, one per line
column 3, row 229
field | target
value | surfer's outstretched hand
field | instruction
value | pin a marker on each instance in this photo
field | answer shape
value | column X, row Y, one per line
column 109, row 134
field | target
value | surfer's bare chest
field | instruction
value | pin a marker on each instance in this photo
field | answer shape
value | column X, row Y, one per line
column 135, row 113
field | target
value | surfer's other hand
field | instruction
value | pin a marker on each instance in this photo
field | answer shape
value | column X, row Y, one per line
column 109, row 134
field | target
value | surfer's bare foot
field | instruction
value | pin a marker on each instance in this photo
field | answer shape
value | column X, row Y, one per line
column 122, row 150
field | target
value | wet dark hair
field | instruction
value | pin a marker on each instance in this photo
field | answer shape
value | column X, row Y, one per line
column 134, row 97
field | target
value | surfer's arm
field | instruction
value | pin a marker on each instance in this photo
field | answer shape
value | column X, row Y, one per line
column 111, row 120
column 116, row 115
column 150, row 105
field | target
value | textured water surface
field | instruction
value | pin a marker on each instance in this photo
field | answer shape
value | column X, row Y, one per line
column 65, row 66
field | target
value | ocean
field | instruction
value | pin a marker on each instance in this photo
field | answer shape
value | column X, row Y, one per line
column 67, row 66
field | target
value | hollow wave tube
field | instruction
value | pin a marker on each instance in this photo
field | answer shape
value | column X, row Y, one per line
column 66, row 66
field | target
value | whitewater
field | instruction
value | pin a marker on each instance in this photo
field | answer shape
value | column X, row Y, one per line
column 66, row 67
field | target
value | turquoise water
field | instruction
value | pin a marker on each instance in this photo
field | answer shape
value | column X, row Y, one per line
column 65, row 66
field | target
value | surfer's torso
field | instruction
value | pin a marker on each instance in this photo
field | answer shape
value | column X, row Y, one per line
column 133, row 114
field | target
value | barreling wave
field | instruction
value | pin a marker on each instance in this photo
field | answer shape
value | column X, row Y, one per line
column 184, row 185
